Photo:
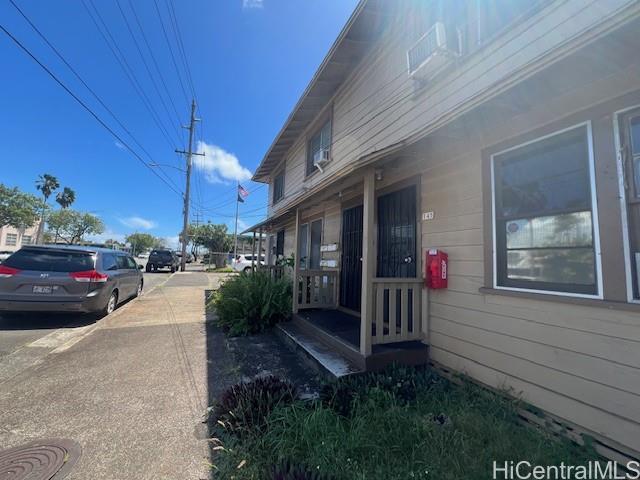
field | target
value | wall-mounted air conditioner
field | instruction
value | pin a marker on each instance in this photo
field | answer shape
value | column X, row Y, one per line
column 431, row 53
column 320, row 158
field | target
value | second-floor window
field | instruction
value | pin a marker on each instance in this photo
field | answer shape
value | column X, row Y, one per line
column 11, row 240
column 320, row 142
column 278, row 187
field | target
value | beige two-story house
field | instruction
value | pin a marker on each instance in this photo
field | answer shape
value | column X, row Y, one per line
column 506, row 134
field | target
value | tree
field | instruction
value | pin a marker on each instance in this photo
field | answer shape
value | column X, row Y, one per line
column 47, row 184
column 211, row 236
column 140, row 242
column 72, row 226
column 66, row 197
column 18, row 209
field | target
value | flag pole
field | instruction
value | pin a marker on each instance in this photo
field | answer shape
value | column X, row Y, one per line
column 235, row 234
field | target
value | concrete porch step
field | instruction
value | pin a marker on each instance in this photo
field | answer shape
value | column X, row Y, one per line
column 325, row 358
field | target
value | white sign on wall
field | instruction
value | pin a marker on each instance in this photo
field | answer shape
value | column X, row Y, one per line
column 329, row 263
column 427, row 216
column 332, row 247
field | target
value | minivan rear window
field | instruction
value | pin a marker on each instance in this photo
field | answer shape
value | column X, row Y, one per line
column 51, row 261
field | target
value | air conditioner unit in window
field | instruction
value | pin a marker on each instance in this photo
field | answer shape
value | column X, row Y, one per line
column 320, row 158
column 431, row 53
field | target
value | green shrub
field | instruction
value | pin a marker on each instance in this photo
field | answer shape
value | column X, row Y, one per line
column 243, row 408
column 251, row 302
column 402, row 383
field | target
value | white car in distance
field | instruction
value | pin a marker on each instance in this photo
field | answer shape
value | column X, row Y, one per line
column 242, row 263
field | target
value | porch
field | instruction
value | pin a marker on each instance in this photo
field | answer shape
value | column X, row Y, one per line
column 356, row 276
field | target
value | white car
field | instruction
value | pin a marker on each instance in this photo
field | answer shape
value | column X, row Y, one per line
column 242, row 263
column 143, row 255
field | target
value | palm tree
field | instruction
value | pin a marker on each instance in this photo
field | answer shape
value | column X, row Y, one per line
column 47, row 184
column 66, row 197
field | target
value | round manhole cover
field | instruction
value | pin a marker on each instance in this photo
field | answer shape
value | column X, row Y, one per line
column 39, row 460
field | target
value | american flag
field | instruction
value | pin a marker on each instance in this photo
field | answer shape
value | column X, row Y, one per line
column 242, row 193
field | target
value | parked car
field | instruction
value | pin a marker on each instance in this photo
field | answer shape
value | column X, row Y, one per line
column 4, row 255
column 242, row 263
column 162, row 259
column 143, row 255
column 68, row 279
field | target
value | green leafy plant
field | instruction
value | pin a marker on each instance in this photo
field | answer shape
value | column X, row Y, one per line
column 243, row 408
column 251, row 302
column 402, row 383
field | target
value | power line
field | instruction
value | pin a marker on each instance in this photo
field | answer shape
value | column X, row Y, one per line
column 178, row 35
column 126, row 68
column 153, row 58
column 84, row 83
column 173, row 59
column 85, row 106
column 146, row 66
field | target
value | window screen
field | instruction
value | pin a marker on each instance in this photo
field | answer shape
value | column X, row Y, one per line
column 544, row 223
column 278, row 188
column 319, row 142
column 315, row 243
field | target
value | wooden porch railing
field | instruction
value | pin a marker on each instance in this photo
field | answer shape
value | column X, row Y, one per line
column 317, row 289
column 397, row 310
column 274, row 271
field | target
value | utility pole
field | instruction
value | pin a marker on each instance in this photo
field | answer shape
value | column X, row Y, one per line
column 189, row 153
column 235, row 232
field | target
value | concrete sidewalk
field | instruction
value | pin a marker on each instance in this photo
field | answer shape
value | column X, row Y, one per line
column 132, row 392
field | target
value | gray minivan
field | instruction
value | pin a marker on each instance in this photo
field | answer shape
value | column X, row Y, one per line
column 68, row 279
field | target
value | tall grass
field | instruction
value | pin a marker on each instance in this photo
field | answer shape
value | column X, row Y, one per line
column 448, row 432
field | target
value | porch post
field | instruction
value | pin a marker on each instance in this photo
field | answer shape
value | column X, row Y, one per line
column 296, row 264
column 260, row 248
column 368, row 259
column 253, row 252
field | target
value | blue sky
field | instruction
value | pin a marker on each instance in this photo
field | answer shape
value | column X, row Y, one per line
column 249, row 60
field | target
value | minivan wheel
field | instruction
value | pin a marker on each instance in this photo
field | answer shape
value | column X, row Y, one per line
column 112, row 303
column 173, row 269
column 139, row 290
column 148, row 268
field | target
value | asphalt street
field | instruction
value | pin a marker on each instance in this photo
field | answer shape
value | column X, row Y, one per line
column 130, row 389
column 20, row 330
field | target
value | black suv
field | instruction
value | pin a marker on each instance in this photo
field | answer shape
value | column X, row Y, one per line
column 161, row 259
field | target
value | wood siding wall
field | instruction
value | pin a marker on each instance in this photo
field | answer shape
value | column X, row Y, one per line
column 379, row 106
column 579, row 362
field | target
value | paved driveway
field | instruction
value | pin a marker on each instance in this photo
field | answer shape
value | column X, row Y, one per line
column 132, row 390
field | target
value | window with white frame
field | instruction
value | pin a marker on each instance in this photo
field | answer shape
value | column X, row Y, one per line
column 545, row 228
column 630, row 130
column 11, row 240
column 319, row 145
column 309, row 243
column 26, row 239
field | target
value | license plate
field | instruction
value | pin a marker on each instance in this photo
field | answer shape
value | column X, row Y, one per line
column 42, row 289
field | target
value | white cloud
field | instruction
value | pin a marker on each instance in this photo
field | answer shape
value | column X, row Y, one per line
column 119, row 145
column 252, row 4
column 172, row 242
column 108, row 234
column 220, row 166
column 138, row 222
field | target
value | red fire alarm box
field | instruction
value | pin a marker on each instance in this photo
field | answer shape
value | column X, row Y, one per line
column 436, row 269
